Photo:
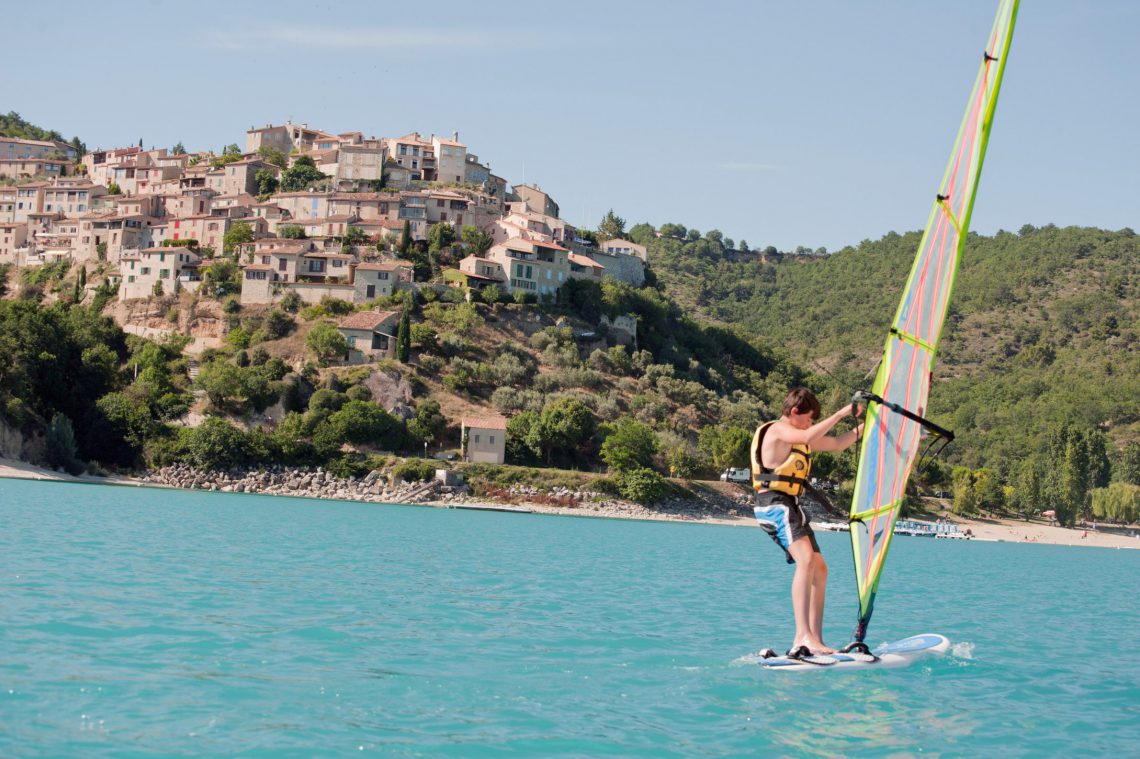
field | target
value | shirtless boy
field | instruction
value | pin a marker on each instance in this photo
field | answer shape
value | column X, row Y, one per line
column 781, row 463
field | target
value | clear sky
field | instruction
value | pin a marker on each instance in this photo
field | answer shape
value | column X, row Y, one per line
column 815, row 123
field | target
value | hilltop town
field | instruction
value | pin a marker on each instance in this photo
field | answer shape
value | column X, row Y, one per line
column 302, row 209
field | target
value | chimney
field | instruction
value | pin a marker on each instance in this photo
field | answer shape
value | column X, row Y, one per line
column 455, row 136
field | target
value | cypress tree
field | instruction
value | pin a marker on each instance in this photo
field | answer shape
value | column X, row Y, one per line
column 404, row 338
column 405, row 238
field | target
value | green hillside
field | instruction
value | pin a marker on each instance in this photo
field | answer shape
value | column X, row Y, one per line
column 12, row 125
column 1043, row 330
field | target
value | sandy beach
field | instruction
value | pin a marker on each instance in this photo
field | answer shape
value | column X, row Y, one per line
column 1002, row 530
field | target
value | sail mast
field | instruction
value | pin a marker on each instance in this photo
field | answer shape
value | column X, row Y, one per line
column 895, row 419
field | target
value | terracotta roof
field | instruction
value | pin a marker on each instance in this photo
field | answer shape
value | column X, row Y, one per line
column 485, row 422
column 258, row 267
column 366, row 319
column 327, row 254
column 385, row 265
column 469, row 275
column 584, row 261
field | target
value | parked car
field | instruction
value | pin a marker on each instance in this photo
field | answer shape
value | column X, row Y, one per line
column 736, row 475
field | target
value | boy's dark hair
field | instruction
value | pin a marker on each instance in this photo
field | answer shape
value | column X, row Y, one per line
column 801, row 400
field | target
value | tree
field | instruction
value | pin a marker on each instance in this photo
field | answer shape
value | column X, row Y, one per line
column 157, row 289
column 565, row 425
column 612, row 226
column 519, row 438
column 222, row 382
column 965, row 499
column 326, row 341
column 274, row 156
column 215, row 444
column 59, row 445
column 1074, row 479
column 428, row 423
column 404, row 338
column 239, row 234
column 291, row 232
column 354, row 235
column 178, row 149
column 221, row 277
column 405, row 238
column 629, row 444
column 301, row 175
column 477, row 241
column 988, row 490
column 440, row 236
column 118, row 429
column 360, row 423
column 267, row 181
column 725, row 445
column 1127, row 468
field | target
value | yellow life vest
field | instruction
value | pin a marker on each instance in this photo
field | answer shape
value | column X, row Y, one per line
column 790, row 476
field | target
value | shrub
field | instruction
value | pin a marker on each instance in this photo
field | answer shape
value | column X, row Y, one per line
column 415, row 470
column 336, row 306
column 432, row 365
column 291, row 302
column 278, row 323
column 359, row 393
column 326, row 399
column 326, row 341
column 629, row 445
column 425, row 336
column 641, row 485
column 215, row 444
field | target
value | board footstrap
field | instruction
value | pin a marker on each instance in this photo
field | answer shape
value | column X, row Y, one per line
column 804, row 654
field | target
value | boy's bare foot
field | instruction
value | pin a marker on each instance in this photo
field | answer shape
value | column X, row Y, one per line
column 817, row 647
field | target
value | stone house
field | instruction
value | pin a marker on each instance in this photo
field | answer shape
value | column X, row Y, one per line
column 175, row 268
column 450, row 159
column 619, row 247
column 375, row 279
column 536, row 200
column 485, row 439
column 13, row 235
column 371, row 335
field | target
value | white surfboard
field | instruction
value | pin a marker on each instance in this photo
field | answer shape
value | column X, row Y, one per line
column 897, row 654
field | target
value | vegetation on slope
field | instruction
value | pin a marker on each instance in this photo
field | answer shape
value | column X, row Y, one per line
column 1041, row 347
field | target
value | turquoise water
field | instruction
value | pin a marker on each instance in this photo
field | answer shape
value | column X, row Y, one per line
column 144, row 622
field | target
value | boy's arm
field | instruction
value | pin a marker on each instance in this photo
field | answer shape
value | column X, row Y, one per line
column 839, row 442
column 815, row 433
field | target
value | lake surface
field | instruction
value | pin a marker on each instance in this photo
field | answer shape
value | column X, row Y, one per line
column 143, row 622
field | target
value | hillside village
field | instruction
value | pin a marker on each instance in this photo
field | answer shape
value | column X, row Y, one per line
column 159, row 217
column 309, row 218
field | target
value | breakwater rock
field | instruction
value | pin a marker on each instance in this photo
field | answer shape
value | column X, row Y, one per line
column 374, row 487
column 379, row 487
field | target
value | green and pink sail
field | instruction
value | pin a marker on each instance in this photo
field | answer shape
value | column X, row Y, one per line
column 895, row 426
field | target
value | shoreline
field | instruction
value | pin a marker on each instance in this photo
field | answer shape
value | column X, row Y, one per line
column 985, row 530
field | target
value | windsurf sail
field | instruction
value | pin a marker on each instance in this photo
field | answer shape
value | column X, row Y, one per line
column 895, row 424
